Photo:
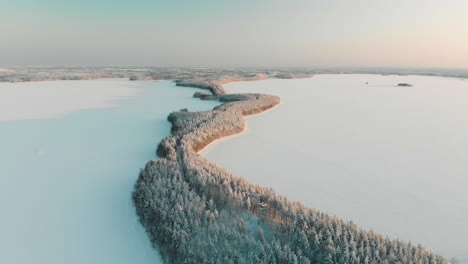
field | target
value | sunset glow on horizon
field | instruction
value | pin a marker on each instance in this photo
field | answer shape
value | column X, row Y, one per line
column 332, row 33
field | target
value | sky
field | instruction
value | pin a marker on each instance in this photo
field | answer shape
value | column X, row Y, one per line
column 216, row 33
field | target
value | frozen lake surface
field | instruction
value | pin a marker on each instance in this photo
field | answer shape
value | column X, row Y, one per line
column 66, row 177
column 39, row 100
column 392, row 159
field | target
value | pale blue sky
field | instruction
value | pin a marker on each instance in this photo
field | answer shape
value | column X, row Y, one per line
column 429, row 33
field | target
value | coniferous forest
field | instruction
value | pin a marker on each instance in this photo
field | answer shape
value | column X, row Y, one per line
column 197, row 212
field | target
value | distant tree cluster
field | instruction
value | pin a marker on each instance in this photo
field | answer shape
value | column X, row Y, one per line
column 215, row 86
column 205, row 78
column 196, row 212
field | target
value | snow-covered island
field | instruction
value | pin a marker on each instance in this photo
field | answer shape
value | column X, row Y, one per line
column 405, row 85
column 197, row 212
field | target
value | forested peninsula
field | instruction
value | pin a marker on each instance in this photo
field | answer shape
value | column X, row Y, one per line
column 197, row 212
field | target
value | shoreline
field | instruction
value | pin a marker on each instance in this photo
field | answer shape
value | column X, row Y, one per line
column 246, row 130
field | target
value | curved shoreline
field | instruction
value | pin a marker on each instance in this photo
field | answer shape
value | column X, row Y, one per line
column 196, row 212
column 245, row 131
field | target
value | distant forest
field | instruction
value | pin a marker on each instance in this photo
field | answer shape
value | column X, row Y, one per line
column 201, row 76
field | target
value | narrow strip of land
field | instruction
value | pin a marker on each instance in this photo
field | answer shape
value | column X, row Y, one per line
column 196, row 212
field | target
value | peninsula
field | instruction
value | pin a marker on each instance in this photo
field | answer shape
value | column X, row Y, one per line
column 197, row 212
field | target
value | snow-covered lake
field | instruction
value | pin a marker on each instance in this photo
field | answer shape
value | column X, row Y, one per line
column 46, row 100
column 68, row 164
column 392, row 159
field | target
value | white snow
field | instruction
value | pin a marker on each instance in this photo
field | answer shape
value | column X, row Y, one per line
column 39, row 100
column 66, row 183
column 392, row 159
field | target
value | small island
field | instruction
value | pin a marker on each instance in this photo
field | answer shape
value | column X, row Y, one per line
column 405, row 85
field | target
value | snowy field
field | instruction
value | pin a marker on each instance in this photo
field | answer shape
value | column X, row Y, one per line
column 45, row 100
column 392, row 159
column 69, row 162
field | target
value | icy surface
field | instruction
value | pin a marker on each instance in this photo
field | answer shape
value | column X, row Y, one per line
column 39, row 100
column 392, row 159
column 65, row 183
